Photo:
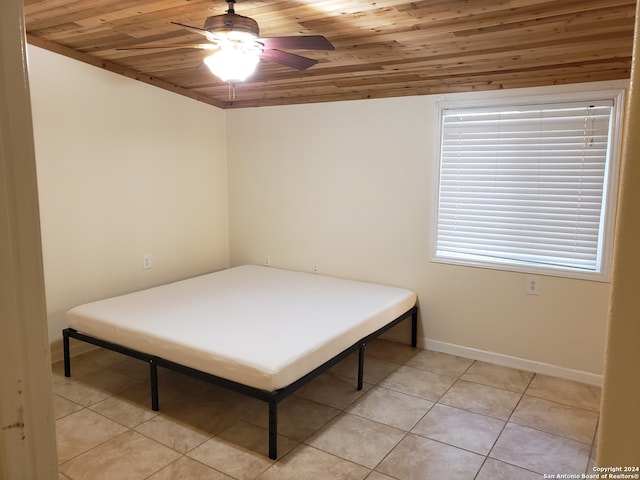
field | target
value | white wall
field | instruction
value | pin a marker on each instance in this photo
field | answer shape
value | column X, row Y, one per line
column 123, row 169
column 350, row 185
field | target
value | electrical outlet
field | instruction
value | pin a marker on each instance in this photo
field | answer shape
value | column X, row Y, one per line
column 146, row 261
column 267, row 260
column 533, row 285
column 315, row 268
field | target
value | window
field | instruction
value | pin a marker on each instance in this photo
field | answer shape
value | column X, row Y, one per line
column 527, row 187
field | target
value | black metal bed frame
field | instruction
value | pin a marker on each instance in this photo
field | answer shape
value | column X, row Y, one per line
column 272, row 398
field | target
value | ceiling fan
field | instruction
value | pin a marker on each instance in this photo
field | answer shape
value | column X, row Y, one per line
column 238, row 48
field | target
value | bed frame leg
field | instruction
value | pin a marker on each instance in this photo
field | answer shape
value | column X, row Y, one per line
column 360, row 366
column 414, row 327
column 273, row 429
column 153, row 370
column 67, row 356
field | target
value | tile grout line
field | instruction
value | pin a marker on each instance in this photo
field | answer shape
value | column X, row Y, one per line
column 506, row 422
column 344, row 411
column 434, row 403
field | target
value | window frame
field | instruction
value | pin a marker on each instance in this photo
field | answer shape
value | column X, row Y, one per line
column 610, row 187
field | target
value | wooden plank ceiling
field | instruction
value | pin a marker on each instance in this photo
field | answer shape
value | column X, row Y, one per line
column 383, row 48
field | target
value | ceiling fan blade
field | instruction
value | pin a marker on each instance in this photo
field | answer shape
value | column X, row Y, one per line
column 201, row 46
column 200, row 31
column 288, row 59
column 304, row 42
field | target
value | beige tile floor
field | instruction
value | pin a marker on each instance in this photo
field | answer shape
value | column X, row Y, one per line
column 421, row 415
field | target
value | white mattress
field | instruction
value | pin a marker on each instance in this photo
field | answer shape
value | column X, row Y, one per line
column 259, row 326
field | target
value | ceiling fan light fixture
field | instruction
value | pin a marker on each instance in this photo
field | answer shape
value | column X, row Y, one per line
column 236, row 58
column 239, row 47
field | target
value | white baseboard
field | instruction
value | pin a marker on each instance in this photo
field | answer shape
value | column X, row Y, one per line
column 513, row 362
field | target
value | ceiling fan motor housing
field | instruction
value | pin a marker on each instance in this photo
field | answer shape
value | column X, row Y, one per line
column 231, row 22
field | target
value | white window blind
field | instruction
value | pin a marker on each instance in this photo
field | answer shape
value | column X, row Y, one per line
column 524, row 185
